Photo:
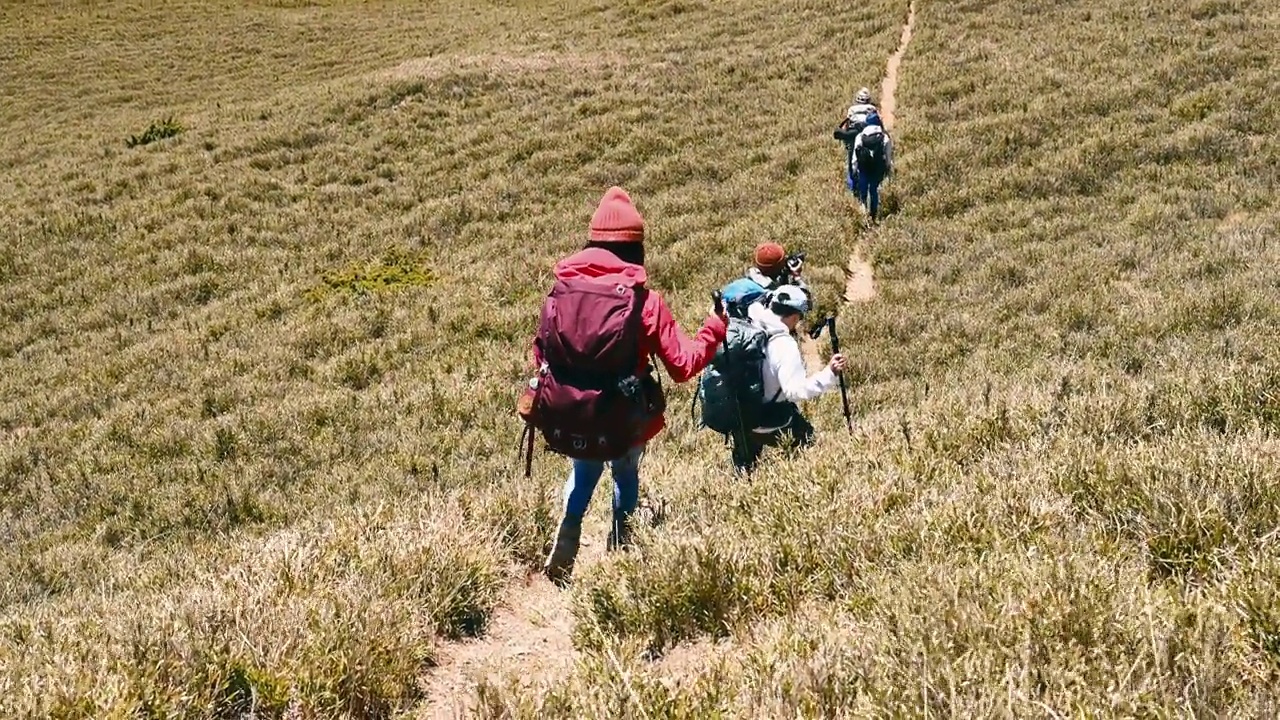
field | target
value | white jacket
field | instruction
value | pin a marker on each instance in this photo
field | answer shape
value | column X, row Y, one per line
column 784, row 373
column 888, row 144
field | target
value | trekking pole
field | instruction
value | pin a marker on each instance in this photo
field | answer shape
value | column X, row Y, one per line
column 844, row 392
column 830, row 325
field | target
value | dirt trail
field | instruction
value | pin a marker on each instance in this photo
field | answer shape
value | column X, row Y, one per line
column 529, row 637
column 858, row 286
column 889, row 87
column 859, row 283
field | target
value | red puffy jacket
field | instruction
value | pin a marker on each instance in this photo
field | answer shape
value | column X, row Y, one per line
column 682, row 357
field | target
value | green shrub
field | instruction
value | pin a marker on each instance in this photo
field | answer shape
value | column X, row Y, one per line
column 159, row 130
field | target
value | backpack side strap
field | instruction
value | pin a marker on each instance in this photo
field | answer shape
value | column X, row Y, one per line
column 527, row 436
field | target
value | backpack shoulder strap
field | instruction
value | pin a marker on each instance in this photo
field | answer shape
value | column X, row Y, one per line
column 640, row 295
column 770, row 335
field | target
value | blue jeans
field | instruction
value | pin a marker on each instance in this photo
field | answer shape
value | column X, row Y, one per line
column 869, row 192
column 626, row 485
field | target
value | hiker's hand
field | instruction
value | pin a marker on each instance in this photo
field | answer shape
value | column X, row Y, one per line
column 837, row 363
column 718, row 308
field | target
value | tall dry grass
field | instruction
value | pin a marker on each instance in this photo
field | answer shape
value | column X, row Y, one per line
column 258, row 451
column 1059, row 499
column 256, row 444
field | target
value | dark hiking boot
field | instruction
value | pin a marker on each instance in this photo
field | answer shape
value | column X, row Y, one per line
column 559, row 565
column 651, row 511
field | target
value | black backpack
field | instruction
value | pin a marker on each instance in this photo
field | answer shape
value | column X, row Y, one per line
column 870, row 153
column 849, row 134
column 731, row 389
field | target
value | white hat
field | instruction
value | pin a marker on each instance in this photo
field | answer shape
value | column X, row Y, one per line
column 790, row 296
column 864, row 96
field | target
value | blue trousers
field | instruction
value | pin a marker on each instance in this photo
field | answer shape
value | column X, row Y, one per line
column 869, row 192
column 584, row 475
column 851, row 179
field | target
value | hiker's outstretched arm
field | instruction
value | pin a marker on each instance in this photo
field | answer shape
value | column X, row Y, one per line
column 685, row 358
column 784, row 358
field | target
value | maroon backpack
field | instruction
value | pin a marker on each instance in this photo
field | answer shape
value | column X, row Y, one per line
column 587, row 399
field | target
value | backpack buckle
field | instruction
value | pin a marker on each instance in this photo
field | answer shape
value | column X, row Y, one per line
column 629, row 386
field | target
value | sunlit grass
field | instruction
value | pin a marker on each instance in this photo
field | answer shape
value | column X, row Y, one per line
column 257, row 435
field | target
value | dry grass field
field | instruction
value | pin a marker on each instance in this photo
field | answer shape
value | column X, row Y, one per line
column 258, row 454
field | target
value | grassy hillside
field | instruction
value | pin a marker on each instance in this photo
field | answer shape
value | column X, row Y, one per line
column 257, row 447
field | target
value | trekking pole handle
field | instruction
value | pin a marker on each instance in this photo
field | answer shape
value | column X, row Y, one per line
column 718, row 300
column 835, row 339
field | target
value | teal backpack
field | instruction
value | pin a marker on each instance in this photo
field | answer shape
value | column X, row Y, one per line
column 740, row 294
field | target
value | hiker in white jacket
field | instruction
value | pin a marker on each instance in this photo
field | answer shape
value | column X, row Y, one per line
column 785, row 380
column 873, row 162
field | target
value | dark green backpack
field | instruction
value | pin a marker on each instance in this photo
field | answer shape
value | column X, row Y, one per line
column 731, row 389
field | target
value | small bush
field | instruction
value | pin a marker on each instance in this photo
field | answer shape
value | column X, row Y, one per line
column 161, row 130
column 396, row 270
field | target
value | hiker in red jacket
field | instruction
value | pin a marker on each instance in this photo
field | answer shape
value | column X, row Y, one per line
column 614, row 259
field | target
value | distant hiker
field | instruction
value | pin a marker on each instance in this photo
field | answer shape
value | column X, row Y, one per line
column 772, row 268
column 854, row 122
column 750, row 392
column 595, row 398
column 873, row 159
